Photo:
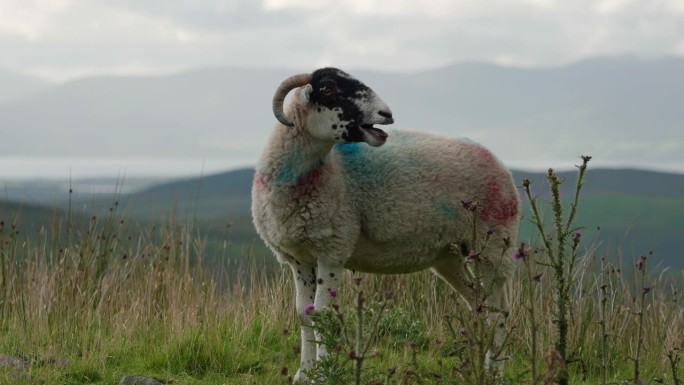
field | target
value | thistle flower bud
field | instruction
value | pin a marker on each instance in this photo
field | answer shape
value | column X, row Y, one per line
column 309, row 309
column 641, row 263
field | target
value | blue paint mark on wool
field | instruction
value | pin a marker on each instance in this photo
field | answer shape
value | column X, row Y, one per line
column 348, row 149
column 467, row 140
column 448, row 210
column 356, row 159
column 286, row 174
column 363, row 164
column 291, row 169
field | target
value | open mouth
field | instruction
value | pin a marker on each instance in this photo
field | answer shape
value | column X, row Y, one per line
column 373, row 136
column 374, row 131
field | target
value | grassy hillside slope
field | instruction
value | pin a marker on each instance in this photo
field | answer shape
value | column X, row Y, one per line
column 630, row 212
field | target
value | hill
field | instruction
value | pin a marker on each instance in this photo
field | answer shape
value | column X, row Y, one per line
column 209, row 197
column 21, row 218
column 205, row 112
column 16, row 86
column 631, row 212
column 636, row 211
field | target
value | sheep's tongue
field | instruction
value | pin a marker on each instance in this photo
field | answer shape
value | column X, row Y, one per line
column 373, row 136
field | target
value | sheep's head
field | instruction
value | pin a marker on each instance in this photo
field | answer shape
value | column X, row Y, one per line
column 334, row 106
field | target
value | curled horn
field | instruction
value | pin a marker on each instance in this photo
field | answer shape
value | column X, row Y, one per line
column 279, row 98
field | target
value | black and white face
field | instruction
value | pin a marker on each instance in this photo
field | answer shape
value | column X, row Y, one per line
column 342, row 109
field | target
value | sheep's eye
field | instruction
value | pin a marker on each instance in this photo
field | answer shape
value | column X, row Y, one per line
column 327, row 91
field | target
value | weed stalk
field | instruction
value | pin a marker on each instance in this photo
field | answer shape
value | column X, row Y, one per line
column 673, row 359
column 641, row 266
column 603, row 324
column 555, row 248
column 532, row 278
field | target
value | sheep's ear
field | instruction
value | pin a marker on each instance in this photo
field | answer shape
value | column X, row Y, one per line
column 304, row 94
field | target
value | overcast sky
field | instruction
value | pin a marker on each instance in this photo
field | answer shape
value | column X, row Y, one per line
column 61, row 40
column 64, row 39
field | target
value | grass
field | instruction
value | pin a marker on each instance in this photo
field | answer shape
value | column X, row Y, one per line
column 118, row 299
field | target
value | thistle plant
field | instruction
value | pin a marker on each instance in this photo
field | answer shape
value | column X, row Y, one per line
column 641, row 266
column 560, row 244
column 343, row 343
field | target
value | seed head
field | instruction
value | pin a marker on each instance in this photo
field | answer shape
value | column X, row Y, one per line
column 641, row 263
column 522, row 252
column 470, row 205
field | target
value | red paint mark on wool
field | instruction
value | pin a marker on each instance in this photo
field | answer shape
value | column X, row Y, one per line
column 309, row 182
column 499, row 207
column 485, row 154
column 259, row 181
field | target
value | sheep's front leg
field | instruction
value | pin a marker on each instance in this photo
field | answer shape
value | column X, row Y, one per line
column 327, row 285
column 305, row 285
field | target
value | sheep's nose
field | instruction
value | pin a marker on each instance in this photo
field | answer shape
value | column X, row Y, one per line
column 387, row 114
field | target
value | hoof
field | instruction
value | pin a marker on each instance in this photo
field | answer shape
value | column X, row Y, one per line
column 300, row 378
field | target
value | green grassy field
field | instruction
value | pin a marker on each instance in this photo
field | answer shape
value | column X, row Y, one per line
column 90, row 298
column 117, row 299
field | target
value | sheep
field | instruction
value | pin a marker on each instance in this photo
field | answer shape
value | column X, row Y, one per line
column 331, row 192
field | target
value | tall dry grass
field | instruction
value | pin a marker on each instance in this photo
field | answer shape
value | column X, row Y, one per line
column 117, row 289
column 117, row 297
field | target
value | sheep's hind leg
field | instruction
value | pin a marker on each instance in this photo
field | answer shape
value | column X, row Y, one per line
column 452, row 269
column 495, row 355
column 305, row 285
column 495, row 268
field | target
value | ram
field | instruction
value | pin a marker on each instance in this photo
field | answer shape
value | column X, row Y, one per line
column 332, row 192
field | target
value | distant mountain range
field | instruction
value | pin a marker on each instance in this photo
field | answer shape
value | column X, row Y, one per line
column 15, row 86
column 636, row 211
column 621, row 109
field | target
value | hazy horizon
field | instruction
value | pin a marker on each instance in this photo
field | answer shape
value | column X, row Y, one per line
column 76, row 76
column 159, row 88
column 61, row 168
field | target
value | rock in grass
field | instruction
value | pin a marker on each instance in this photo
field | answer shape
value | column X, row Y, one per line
column 138, row 380
column 13, row 362
column 18, row 376
column 57, row 363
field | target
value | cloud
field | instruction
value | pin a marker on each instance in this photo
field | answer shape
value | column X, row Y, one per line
column 63, row 36
column 29, row 19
